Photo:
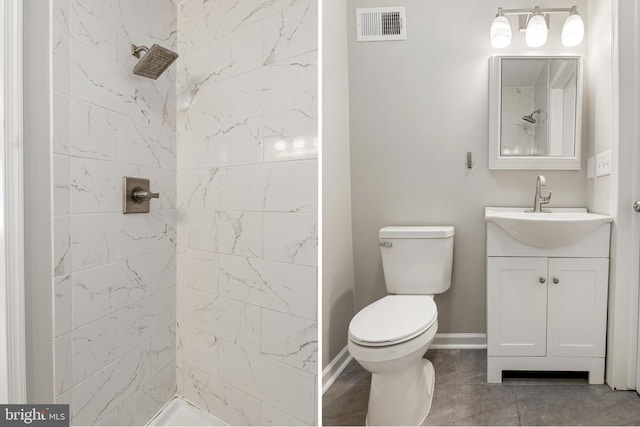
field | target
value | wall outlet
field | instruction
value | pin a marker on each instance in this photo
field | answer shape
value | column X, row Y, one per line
column 603, row 163
column 591, row 173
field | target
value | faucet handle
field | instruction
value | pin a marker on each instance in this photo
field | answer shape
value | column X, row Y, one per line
column 545, row 199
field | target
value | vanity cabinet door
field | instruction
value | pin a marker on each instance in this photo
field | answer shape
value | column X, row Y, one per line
column 577, row 307
column 516, row 306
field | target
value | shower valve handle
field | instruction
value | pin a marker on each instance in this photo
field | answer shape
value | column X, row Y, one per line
column 139, row 195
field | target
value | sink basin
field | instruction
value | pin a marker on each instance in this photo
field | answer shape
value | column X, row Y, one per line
column 556, row 228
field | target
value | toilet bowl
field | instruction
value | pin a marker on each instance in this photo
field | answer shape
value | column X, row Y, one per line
column 390, row 336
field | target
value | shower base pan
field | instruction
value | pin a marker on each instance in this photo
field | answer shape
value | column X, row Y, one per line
column 181, row 413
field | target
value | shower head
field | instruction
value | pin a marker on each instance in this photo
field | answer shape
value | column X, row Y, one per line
column 154, row 62
column 530, row 118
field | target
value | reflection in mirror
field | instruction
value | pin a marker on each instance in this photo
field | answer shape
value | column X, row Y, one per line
column 538, row 107
column 535, row 113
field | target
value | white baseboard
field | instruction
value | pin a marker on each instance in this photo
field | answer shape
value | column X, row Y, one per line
column 459, row 341
column 335, row 368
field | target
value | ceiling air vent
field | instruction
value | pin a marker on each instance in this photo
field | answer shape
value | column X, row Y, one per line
column 381, row 23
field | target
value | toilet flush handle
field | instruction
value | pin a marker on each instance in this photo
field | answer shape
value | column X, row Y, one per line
column 386, row 244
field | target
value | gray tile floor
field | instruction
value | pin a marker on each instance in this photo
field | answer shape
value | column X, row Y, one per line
column 463, row 397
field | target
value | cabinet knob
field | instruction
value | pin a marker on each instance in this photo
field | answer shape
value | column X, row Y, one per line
column 556, row 280
column 542, row 280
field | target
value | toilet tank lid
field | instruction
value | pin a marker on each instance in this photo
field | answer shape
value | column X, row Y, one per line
column 413, row 232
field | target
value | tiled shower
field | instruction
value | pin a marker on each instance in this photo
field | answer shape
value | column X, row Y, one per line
column 212, row 295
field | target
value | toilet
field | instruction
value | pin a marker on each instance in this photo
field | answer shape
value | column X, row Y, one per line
column 390, row 336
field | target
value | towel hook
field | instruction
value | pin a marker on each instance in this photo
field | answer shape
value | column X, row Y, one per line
column 469, row 163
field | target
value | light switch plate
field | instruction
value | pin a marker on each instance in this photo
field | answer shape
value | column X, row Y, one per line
column 603, row 163
column 591, row 173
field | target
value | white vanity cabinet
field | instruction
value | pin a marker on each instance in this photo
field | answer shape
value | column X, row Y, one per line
column 546, row 308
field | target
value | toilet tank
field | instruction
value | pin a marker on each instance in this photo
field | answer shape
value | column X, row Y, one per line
column 417, row 260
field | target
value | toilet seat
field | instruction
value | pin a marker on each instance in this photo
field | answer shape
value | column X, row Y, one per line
column 393, row 319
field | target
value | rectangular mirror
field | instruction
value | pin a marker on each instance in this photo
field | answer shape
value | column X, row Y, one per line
column 535, row 114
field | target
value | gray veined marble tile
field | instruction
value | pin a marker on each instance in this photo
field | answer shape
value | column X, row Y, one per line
column 60, row 15
column 180, row 378
column 221, row 317
column 291, row 237
column 96, row 186
column 62, row 305
column 163, row 270
column 198, row 269
column 110, row 419
column 290, row 135
column 93, row 240
column 283, row 86
column 100, row 80
column 139, row 321
column 232, row 143
column 199, row 188
column 233, row 232
column 146, row 144
column 292, row 187
column 165, row 182
column 239, row 233
column 141, row 234
column 290, row 339
column 272, row 416
column 133, row 25
column 291, row 32
column 215, row 395
column 63, row 375
column 94, row 346
column 66, row 398
column 163, row 28
column 94, row 23
column 277, row 383
column 101, row 393
column 197, row 229
column 163, row 348
column 283, row 287
column 61, row 185
column 103, row 290
column 60, row 69
column 244, row 187
column 62, row 246
column 149, row 399
column 200, row 349
column 61, row 125
column 93, row 131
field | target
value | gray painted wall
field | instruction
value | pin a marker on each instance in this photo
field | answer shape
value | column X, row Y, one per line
column 337, row 247
column 416, row 108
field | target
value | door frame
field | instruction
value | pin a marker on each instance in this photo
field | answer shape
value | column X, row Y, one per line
column 11, row 208
column 635, row 141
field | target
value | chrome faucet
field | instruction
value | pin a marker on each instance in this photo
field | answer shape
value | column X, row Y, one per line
column 539, row 199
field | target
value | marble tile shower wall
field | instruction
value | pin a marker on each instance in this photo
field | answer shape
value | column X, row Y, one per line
column 247, row 209
column 115, row 274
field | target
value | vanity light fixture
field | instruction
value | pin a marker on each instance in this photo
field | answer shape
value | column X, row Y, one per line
column 500, row 30
column 536, row 24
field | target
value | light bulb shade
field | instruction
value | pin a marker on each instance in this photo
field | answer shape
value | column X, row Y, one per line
column 500, row 32
column 536, row 34
column 573, row 31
